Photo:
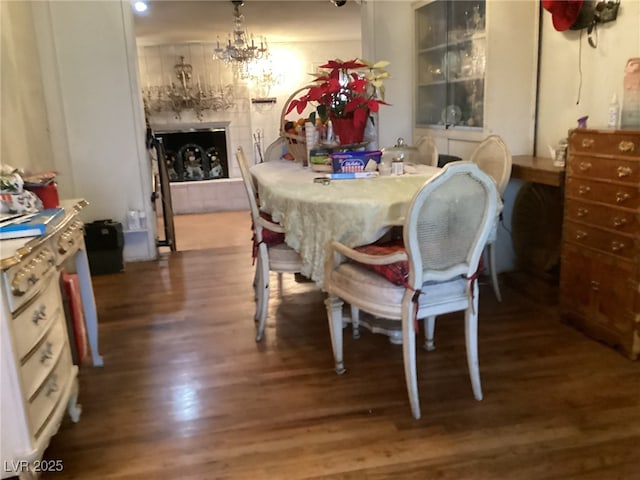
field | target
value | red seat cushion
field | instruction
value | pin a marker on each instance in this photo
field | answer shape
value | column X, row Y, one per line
column 269, row 236
column 397, row 272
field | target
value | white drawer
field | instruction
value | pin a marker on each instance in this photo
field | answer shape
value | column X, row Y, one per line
column 68, row 240
column 42, row 359
column 31, row 325
column 25, row 279
column 50, row 393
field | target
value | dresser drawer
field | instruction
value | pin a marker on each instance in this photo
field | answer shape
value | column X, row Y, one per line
column 50, row 392
column 32, row 324
column 43, row 357
column 618, row 143
column 68, row 240
column 605, row 242
column 24, row 280
column 603, row 216
column 615, row 169
column 618, row 195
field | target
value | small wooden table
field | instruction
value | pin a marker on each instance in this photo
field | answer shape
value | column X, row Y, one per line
column 537, row 170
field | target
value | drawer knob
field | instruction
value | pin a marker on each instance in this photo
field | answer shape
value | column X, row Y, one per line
column 583, row 212
column 580, row 235
column 584, row 189
column 46, row 353
column 587, row 142
column 584, row 166
column 622, row 197
column 52, row 385
column 624, row 171
column 626, row 146
column 619, row 221
column 595, row 285
column 616, row 246
column 39, row 314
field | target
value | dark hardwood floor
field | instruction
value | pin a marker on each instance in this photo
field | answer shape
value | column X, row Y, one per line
column 186, row 393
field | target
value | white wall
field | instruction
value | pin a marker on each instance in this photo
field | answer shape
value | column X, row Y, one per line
column 24, row 133
column 93, row 102
column 388, row 35
column 602, row 73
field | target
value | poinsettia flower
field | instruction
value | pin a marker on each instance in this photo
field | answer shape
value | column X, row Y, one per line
column 340, row 89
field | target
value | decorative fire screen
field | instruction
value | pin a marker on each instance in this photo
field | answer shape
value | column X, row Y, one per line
column 198, row 154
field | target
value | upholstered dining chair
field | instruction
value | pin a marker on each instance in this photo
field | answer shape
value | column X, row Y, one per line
column 271, row 253
column 427, row 150
column 274, row 150
column 493, row 157
column 430, row 273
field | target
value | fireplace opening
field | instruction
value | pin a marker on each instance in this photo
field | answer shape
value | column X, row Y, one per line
column 195, row 154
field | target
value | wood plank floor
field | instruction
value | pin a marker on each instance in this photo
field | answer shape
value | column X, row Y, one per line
column 186, row 393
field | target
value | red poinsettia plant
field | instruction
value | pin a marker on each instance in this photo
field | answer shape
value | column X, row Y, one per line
column 345, row 89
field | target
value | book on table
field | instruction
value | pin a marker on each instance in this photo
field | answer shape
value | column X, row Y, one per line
column 30, row 225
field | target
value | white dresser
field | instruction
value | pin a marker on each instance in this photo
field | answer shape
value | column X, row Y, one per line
column 38, row 380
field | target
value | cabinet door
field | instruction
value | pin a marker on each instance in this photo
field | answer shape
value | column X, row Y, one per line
column 575, row 282
column 450, row 64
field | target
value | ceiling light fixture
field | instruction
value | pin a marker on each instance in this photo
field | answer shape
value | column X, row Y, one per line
column 241, row 48
column 140, row 6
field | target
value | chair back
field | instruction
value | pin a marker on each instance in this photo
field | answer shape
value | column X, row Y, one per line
column 494, row 158
column 448, row 223
column 274, row 150
column 248, row 185
column 427, row 151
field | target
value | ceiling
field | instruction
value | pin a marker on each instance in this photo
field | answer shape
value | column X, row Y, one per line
column 175, row 21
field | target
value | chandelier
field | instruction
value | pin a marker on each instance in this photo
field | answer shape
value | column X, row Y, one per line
column 183, row 95
column 241, row 48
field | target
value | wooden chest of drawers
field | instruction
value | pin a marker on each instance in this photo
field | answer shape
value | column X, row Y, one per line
column 600, row 270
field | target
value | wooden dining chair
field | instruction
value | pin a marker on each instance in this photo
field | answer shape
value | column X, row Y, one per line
column 493, row 157
column 432, row 272
column 427, row 150
column 270, row 252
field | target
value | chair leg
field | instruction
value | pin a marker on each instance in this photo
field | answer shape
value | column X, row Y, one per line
column 429, row 331
column 334, row 315
column 257, row 287
column 494, row 273
column 263, row 292
column 471, row 342
column 409, row 357
column 355, row 321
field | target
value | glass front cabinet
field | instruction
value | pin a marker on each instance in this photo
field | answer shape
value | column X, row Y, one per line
column 475, row 73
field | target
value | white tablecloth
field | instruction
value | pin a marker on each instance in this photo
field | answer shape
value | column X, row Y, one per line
column 354, row 212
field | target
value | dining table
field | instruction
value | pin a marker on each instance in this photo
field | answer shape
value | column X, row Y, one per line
column 314, row 211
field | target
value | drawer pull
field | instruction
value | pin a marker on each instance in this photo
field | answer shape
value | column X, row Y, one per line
column 52, row 385
column 583, row 212
column 584, row 166
column 46, row 353
column 584, row 189
column 587, row 142
column 619, row 221
column 595, row 285
column 622, row 197
column 580, row 235
column 624, row 171
column 39, row 314
column 626, row 147
column 616, row 246
column 18, row 287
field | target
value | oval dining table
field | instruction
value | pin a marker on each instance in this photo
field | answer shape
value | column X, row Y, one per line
column 354, row 212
